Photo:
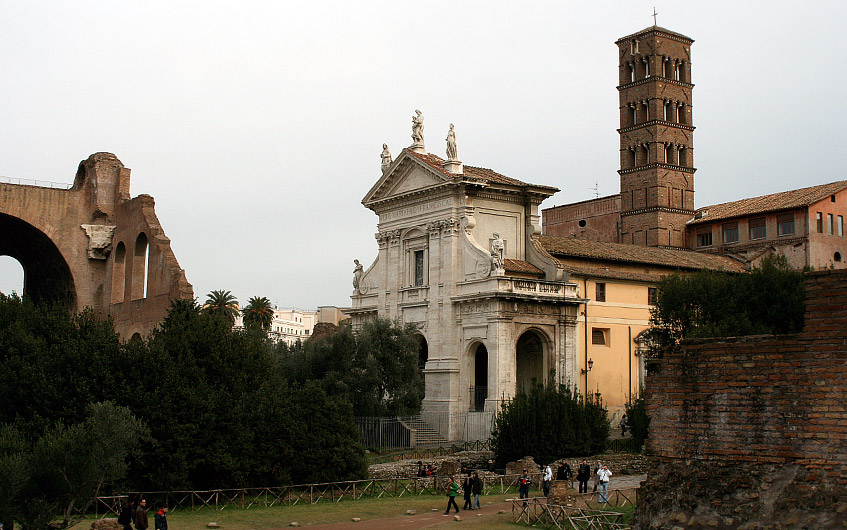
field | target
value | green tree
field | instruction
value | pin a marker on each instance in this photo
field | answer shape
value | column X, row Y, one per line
column 549, row 422
column 68, row 466
column 376, row 368
column 222, row 303
column 637, row 420
column 769, row 300
column 258, row 313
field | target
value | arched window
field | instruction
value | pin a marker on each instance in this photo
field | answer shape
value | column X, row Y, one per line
column 138, row 288
column 118, row 273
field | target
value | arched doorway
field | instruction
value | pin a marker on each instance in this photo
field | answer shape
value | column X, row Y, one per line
column 479, row 386
column 46, row 275
column 423, row 357
column 529, row 361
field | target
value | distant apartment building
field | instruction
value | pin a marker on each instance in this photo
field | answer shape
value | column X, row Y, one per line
column 291, row 325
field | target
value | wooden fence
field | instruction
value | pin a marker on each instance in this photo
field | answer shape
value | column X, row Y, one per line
column 537, row 513
column 246, row 498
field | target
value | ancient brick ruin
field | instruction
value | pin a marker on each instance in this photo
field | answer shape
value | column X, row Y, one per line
column 93, row 246
column 752, row 432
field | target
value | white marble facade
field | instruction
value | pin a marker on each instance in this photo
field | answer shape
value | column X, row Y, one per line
column 493, row 329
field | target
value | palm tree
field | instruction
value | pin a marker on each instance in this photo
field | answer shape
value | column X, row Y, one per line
column 222, row 303
column 258, row 313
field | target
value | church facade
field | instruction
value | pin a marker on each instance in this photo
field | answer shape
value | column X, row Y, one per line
column 498, row 306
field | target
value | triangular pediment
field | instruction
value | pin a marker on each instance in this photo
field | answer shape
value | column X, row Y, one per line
column 407, row 174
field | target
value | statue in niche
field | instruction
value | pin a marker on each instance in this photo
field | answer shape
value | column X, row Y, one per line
column 358, row 271
column 452, row 151
column 386, row 157
column 497, row 248
column 417, row 128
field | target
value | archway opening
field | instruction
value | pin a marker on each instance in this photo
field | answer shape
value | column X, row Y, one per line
column 479, row 390
column 46, row 275
column 138, row 287
column 11, row 276
column 529, row 361
column 423, row 357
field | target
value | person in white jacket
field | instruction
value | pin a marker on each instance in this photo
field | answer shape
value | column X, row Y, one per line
column 545, row 480
column 603, row 476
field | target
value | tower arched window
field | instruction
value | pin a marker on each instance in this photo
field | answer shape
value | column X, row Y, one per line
column 633, row 157
column 646, row 62
column 682, row 117
column 669, row 154
column 633, row 47
column 631, row 72
column 683, row 156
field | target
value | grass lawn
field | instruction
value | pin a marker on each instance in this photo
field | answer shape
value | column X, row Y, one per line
column 309, row 514
column 278, row 517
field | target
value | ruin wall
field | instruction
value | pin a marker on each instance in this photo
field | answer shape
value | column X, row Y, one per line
column 750, row 432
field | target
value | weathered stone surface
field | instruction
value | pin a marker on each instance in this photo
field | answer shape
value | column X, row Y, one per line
column 411, row 512
column 94, row 246
column 356, row 519
column 108, row 523
column 212, row 525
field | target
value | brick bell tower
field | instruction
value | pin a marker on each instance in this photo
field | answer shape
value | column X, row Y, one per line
column 657, row 137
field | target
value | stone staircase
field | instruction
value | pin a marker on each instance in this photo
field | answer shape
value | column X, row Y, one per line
column 425, row 436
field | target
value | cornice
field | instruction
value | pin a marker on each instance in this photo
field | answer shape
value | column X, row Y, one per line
column 655, row 165
column 657, row 209
column 652, row 79
column 657, row 122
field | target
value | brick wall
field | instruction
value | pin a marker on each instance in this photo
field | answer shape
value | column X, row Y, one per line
column 753, row 430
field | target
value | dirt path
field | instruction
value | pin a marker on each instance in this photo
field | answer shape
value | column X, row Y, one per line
column 415, row 522
column 430, row 519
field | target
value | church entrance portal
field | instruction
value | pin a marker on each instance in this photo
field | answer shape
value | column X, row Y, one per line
column 529, row 361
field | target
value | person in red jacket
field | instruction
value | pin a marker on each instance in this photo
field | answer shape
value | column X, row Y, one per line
column 161, row 519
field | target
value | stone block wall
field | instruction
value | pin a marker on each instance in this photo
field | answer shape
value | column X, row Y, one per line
column 752, row 431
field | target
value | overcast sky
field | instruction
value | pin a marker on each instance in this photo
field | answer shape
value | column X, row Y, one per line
column 257, row 126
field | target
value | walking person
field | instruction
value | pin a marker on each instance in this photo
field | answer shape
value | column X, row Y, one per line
column 467, row 486
column 545, row 480
column 523, row 482
column 141, row 515
column 582, row 475
column 127, row 513
column 452, row 490
column 160, row 520
column 603, row 481
column 477, row 490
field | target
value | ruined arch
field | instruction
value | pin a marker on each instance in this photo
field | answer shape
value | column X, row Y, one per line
column 47, row 276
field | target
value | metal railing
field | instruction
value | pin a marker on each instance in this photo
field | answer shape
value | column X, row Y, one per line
column 37, row 183
column 537, row 513
column 432, row 452
column 478, row 395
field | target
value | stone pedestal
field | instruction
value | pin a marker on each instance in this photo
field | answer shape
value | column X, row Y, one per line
column 454, row 166
column 561, row 494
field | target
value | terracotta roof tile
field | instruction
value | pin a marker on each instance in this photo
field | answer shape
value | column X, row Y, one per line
column 516, row 265
column 774, row 202
column 481, row 173
column 679, row 259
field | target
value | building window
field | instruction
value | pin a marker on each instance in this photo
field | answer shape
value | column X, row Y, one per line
column 633, row 48
column 419, row 268
column 785, row 224
column 652, row 295
column 757, row 228
column 600, row 336
column 829, row 224
column 704, row 239
column 600, row 292
column 832, row 198
column 819, row 219
column 840, row 226
column 837, row 256
column 730, row 233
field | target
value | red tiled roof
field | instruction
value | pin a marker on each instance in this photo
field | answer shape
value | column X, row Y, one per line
column 774, row 202
column 481, row 173
column 516, row 265
column 678, row 259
